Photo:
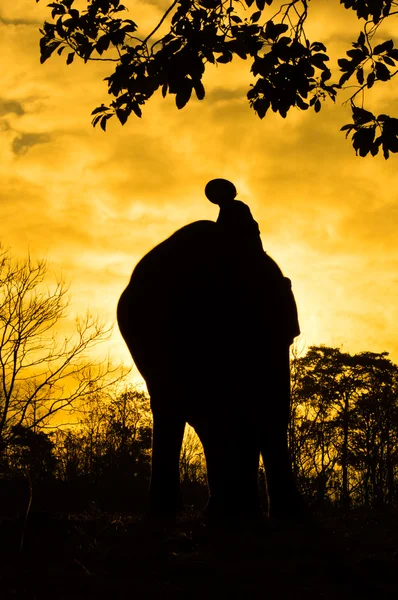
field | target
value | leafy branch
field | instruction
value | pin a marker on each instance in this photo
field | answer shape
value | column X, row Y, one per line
column 290, row 71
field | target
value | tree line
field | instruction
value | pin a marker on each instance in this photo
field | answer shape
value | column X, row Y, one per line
column 343, row 438
column 343, row 431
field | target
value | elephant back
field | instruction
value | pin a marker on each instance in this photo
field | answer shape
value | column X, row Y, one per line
column 196, row 307
column 167, row 300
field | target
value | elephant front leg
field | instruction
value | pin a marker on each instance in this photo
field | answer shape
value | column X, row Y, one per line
column 285, row 499
column 164, row 489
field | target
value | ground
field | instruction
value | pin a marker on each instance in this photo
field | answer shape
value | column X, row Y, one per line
column 99, row 555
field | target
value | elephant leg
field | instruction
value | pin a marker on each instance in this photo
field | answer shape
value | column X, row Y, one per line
column 284, row 497
column 167, row 437
column 232, row 472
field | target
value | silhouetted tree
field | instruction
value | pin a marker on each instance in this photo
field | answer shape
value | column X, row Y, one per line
column 30, row 451
column 374, row 439
column 290, row 70
column 314, row 397
column 192, row 461
column 40, row 372
column 344, row 426
column 70, row 454
column 113, row 439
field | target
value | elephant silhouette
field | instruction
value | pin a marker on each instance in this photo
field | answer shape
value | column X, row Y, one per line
column 208, row 318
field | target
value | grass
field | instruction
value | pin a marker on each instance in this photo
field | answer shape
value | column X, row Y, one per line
column 99, row 555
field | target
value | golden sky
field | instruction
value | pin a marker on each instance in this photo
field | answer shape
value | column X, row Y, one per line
column 95, row 202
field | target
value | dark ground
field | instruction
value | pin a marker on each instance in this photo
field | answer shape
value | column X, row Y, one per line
column 119, row 556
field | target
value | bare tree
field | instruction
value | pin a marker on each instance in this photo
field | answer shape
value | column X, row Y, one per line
column 42, row 373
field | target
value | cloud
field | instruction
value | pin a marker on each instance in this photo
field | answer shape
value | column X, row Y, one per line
column 23, row 142
column 95, row 202
column 10, row 106
column 4, row 125
column 18, row 21
column 219, row 94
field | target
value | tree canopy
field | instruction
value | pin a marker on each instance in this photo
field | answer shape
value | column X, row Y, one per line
column 290, row 70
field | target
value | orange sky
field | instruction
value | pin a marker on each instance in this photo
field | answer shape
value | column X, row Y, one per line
column 94, row 203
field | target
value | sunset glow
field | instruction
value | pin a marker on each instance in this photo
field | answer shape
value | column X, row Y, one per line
column 95, row 202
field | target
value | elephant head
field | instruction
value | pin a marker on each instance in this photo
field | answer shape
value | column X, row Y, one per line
column 208, row 318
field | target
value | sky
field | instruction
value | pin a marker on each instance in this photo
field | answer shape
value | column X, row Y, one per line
column 94, row 203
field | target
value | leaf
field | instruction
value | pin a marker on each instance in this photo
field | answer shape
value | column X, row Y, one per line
column 362, row 140
column 375, row 146
column 184, row 92
column 361, row 39
column 136, row 109
column 199, row 90
column 325, row 75
column 301, row 104
column 319, row 60
column 225, row 58
column 261, row 105
column 393, row 53
column 345, row 77
column 70, row 58
column 102, row 44
column 384, row 47
column 389, row 61
column 103, row 121
column 386, row 9
column 360, row 76
column 208, row 55
column 281, row 28
column 239, row 48
column 370, row 79
column 130, row 26
column 255, row 16
column 99, row 109
column 382, row 72
column 283, row 112
column 236, row 19
column 122, row 115
column 317, row 105
column 47, row 48
column 362, row 116
column 345, row 65
column 357, row 55
column 272, row 31
column 164, row 90
column 318, row 47
column 260, row 4
column 347, row 128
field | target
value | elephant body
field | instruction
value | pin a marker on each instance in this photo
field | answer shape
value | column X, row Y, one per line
column 208, row 323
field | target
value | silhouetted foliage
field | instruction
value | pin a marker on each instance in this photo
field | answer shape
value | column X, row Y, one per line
column 290, row 70
column 40, row 372
column 343, row 439
column 344, row 427
column 30, row 451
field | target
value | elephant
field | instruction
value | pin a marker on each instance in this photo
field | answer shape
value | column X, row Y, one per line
column 208, row 322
